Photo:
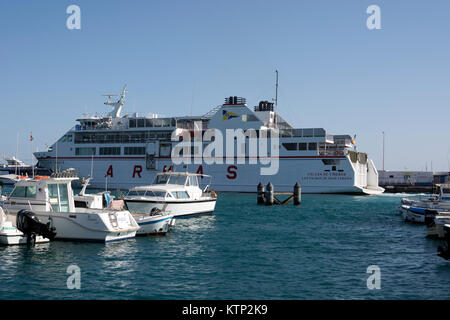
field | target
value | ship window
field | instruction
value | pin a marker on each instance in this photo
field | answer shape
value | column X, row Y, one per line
column 140, row 123
column 249, row 118
column 24, row 192
column 134, row 150
column 333, row 168
column 290, row 146
column 84, row 151
column 312, row 146
column 148, row 123
column 329, row 162
column 109, row 151
column 302, row 146
column 164, row 150
column 132, row 123
column 308, row 133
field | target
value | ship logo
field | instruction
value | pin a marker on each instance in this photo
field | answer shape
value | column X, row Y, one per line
column 228, row 115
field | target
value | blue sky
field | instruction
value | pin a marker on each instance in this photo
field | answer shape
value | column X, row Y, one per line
column 183, row 57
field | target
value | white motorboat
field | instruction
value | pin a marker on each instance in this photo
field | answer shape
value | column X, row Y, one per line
column 10, row 235
column 156, row 222
column 435, row 224
column 439, row 201
column 176, row 192
column 52, row 200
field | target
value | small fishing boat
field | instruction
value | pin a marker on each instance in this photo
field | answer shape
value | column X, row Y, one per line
column 439, row 201
column 444, row 251
column 51, row 199
column 156, row 222
column 435, row 223
column 176, row 192
column 415, row 214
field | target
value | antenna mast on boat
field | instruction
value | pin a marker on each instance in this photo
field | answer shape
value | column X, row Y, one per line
column 383, row 150
column 117, row 105
column 276, row 90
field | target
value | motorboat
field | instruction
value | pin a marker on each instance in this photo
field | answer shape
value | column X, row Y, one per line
column 176, row 192
column 444, row 251
column 441, row 200
column 416, row 214
column 155, row 222
column 51, row 199
column 435, row 224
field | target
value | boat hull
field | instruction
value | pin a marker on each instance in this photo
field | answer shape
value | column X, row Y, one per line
column 151, row 225
column 177, row 209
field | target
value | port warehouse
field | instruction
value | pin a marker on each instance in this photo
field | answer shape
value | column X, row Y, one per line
column 425, row 179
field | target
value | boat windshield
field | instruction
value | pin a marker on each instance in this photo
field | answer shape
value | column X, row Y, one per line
column 170, row 179
column 161, row 179
column 160, row 194
column 136, row 193
column 179, row 180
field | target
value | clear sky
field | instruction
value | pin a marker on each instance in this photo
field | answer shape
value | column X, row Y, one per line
column 183, row 57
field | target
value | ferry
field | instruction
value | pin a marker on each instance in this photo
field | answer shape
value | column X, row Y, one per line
column 123, row 151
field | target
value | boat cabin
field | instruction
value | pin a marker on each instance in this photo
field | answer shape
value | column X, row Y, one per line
column 43, row 194
column 173, row 186
column 444, row 192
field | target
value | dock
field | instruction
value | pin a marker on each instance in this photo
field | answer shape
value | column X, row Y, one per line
column 269, row 197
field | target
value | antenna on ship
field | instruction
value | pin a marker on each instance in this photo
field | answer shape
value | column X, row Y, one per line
column 276, row 90
column 117, row 105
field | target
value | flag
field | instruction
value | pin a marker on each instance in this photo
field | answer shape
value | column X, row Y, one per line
column 31, row 137
column 354, row 140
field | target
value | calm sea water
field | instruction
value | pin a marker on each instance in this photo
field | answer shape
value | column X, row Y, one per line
column 319, row 250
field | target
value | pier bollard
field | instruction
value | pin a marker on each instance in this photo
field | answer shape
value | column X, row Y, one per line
column 297, row 194
column 260, row 191
column 269, row 197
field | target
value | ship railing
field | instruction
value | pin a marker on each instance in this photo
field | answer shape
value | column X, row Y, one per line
column 305, row 133
column 332, row 152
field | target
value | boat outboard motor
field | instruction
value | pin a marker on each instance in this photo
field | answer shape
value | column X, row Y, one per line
column 429, row 217
column 155, row 212
column 28, row 223
column 444, row 251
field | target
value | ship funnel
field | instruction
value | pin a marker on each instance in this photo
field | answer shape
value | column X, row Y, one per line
column 235, row 100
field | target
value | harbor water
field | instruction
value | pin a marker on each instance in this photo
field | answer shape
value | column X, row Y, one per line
column 318, row 250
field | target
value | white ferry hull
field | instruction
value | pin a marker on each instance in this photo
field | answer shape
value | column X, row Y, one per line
column 126, row 173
